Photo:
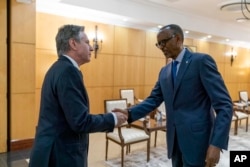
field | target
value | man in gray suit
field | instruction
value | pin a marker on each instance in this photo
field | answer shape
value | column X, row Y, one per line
column 62, row 134
column 193, row 90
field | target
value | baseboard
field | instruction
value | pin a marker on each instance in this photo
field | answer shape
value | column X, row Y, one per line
column 21, row 144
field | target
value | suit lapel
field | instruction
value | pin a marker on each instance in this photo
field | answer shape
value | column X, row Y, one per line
column 187, row 58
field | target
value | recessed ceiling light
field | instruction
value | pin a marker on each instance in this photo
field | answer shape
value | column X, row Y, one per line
column 186, row 31
column 209, row 36
column 227, row 40
column 159, row 26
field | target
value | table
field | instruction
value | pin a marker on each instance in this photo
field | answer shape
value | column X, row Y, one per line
column 152, row 126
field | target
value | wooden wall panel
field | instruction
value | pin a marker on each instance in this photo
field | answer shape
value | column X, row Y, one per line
column 22, row 83
column 150, row 49
column 129, row 41
column 3, row 123
column 3, row 68
column 99, row 72
column 97, row 96
column 23, row 22
column 152, row 69
column 217, row 51
column 3, row 77
column 23, row 68
column 128, row 71
column 47, row 27
column 22, row 116
column 104, row 32
column 44, row 59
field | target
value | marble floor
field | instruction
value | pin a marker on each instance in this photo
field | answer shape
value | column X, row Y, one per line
column 97, row 151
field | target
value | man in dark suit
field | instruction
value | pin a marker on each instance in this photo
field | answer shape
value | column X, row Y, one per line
column 62, row 134
column 193, row 91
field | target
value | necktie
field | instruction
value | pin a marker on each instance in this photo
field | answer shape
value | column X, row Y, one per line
column 174, row 70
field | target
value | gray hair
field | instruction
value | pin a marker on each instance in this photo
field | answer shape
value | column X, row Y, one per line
column 65, row 33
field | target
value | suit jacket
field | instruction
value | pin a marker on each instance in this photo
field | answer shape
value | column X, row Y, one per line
column 199, row 91
column 64, row 122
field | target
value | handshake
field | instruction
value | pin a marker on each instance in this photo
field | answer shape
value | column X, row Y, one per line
column 121, row 115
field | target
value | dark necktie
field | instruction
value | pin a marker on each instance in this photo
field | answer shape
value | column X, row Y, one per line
column 174, row 70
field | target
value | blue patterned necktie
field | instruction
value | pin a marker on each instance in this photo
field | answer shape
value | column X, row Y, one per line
column 174, row 70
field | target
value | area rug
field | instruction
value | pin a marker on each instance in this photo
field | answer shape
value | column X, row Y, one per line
column 158, row 155
column 158, row 158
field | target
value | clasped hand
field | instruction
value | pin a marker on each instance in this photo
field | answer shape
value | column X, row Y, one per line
column 121, row 115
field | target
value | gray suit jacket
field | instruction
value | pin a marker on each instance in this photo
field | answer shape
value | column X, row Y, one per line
column 64, row 122
column 190, row 106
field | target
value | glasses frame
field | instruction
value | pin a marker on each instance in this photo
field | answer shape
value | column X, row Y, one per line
column 163, row 42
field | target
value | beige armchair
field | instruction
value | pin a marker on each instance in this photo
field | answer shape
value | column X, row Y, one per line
column 124, row 135
column 238, row 115
column 130, row 96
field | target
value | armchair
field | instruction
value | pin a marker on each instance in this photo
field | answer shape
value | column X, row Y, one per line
column 124, row 135
column 130, row 96
column 238, row 115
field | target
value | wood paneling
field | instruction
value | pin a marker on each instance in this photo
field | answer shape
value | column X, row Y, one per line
column 47, row 27
column 150, row 49
column 44, row 59
column 22, row 116
column 99, row 72
column 128, row 71
column 152, row 69
column 97, row 96
column 3, row 77
column 3, row 68
column 23, row 22
column 3, row 123
column 128, row 58
column 22, row 72
column 23, row 68
column 129, row 41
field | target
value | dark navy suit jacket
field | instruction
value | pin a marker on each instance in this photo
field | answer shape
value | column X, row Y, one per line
column 190, row 104
column 64, row 122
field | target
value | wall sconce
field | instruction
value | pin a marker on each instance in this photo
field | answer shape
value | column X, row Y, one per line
column 96, row 46
column 232, row 55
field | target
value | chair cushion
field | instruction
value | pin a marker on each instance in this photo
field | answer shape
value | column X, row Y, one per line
column 241, row 115
column 129, row 134
column 234, row 118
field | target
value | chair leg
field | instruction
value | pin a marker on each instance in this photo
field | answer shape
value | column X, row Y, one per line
column 106, row 155
column 148, row 150
column 247, row 125
column 155, row 137
column 236, row 127
column 122, row 156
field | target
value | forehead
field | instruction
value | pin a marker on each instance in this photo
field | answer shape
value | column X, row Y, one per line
column 165, row 33
column 83, row 35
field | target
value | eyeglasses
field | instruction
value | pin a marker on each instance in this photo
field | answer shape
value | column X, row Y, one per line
column 163, row 42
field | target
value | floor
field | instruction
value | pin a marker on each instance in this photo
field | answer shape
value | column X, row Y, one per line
column 97, row 149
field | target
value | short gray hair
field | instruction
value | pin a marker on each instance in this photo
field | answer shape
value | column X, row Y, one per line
column 65, row 33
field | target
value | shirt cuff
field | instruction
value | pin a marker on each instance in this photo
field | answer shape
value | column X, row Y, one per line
column 115, row 118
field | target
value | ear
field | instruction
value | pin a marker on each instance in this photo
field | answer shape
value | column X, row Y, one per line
column 179, row 40
column 72, row 44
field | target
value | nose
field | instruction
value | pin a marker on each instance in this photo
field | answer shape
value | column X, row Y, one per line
column 91, row 48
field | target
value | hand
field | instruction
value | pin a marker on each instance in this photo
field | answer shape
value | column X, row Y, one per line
column 121, row 118
column 121, row 111
column 213, row 156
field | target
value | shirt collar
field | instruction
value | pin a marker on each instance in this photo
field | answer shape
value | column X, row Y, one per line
column 180, row 56
column 72, row 61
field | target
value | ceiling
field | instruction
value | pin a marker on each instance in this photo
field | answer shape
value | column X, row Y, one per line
column 199, row 17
